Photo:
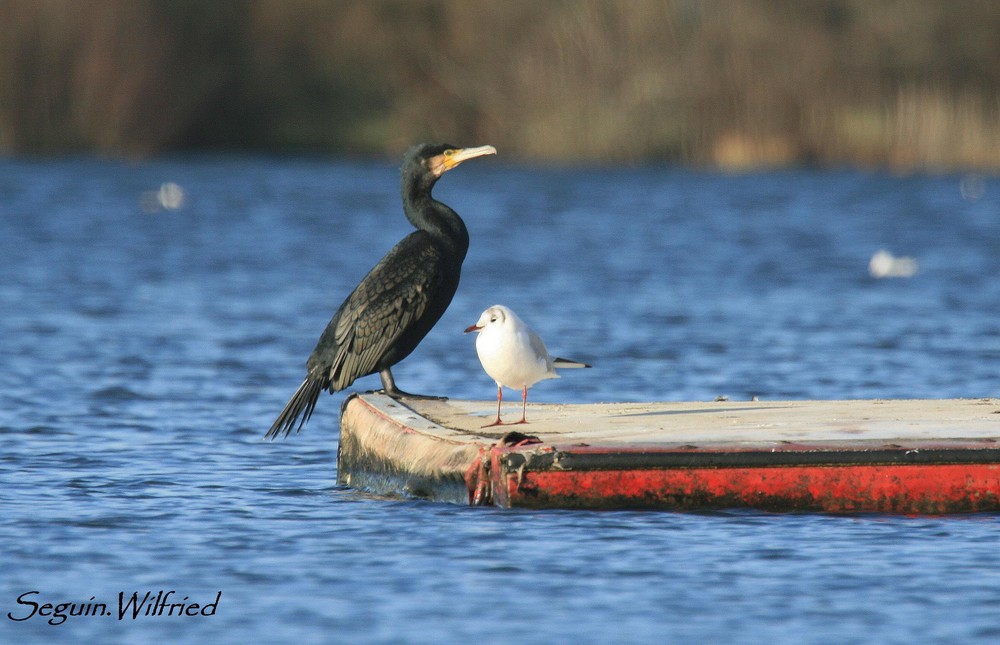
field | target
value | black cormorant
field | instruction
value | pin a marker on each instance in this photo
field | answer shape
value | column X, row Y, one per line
column 401, row 298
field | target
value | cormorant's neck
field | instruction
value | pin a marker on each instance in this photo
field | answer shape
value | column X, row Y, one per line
column 434, row 217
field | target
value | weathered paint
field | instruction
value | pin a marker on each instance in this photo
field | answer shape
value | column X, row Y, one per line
column 389, row 448
column 888, row 489
column 539, row 476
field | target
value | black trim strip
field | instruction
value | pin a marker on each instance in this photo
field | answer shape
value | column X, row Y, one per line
column 638, row 460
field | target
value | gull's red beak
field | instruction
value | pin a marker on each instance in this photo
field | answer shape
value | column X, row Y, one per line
column 472, row 328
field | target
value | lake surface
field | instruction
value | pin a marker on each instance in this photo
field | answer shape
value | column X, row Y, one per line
column 156, row 317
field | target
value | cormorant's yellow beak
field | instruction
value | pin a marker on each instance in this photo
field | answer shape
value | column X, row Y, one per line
column 451, row 158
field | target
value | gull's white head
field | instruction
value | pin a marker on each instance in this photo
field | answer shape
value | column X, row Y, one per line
column 495, row 317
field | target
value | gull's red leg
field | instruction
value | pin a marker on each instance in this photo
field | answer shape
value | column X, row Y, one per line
column 498, row 422
column 524, row 403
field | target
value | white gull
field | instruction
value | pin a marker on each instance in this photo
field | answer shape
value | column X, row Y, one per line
column 513, row 354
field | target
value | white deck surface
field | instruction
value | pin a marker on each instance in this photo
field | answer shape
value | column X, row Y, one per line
column 699, row 423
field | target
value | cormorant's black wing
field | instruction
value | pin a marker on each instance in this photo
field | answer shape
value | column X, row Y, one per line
column 379, row 313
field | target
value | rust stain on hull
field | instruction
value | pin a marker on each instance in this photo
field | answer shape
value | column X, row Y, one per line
column 922, row 489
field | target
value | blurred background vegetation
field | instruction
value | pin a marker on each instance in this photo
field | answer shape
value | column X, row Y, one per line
column 908, row 84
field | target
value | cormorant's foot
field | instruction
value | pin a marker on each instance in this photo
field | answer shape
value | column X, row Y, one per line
column 400, row 394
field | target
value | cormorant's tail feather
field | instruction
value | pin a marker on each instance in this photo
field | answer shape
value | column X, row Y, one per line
column 302, row 404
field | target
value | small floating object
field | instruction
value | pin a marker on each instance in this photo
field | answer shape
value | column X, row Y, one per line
column 884, row 456
column 972, row 187
column 886, row 265
column 169, row 197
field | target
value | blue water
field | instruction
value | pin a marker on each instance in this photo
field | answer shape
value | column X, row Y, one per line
column 147, row 349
